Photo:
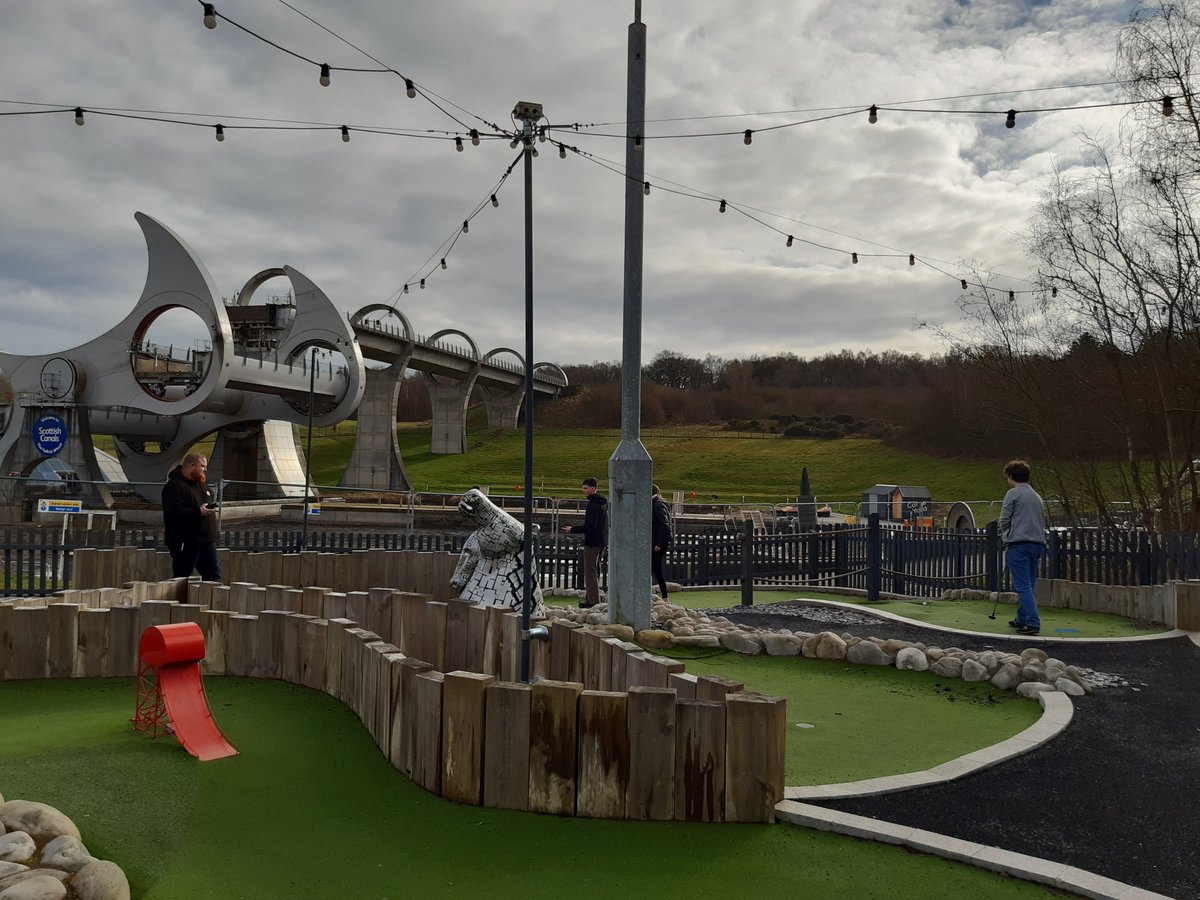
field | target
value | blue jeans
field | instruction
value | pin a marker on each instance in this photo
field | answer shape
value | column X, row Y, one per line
column 1023, row 558
column 192, row 555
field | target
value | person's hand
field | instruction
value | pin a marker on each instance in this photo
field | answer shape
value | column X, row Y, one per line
column 658, row 549
column 206, row 511
column 566, row 529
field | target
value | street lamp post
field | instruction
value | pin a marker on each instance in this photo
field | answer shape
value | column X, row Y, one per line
column 312, row 391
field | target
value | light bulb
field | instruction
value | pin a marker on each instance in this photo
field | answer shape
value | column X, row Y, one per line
column 748, row 137
column 466, row 226
column 443, row 262
column 405, row 287
column 721, row 208
column 458, row 144
column 1168, row 106
column 542, row 134
column 854, row 258
column 873, row 114
column 789, row 240
column 533, row 150
column 1011, row 120
column 1012, row 295
column 562, row 151
column 210, row 16
column 220, row 132
column 963, row 282
column 912, row 260
column 474, row 138
column 646, row 188
column 79, row 115
column 410, row 88
column 637, row 142
column 495, row 201
column 324, row 74
column 513, row 144
column 345, row 134
column 422, row 284
column 1053, row 292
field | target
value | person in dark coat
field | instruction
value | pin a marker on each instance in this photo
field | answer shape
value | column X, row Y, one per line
column 190, row 521
column 595, row 538
column 660, row 537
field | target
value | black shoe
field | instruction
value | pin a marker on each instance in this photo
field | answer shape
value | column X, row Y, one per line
column 583, row 604
column 1028, row 629
column 1015, row 623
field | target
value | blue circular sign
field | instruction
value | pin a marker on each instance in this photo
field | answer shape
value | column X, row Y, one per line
column 49, row 435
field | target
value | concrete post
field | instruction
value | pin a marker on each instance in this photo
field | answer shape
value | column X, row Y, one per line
column 449, row 401
column 503, row 407
column 376, row 461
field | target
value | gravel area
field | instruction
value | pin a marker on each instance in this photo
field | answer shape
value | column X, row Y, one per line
column 1117, row 793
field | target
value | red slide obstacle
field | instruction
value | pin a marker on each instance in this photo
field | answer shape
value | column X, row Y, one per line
column 170, row 689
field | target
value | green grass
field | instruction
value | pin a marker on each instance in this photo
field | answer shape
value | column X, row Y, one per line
column 966, row 615
column 312, row 809
column 930, row 719
column 687, row 459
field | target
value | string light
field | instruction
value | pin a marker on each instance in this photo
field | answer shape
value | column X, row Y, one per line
column 637, row 142
column 542, row 134
column 873, row 114
column 562, row 151
column 748, row 137
column 789, row 240
column 513, row 144
column 1168, row 106
column 220, row 132
column 324, row 75
column 466, row 228
column 422, row 284
column 854, row 258
column 495, row 201
column 443, row 262
column 458, row 144
column 533, row 150
column 210, row 15
column 646, row 188
column 345, row 134
column 79, row 115
column 1053, row 292
column 405, row 287
column 912, row 260
column 410, row 88
column 1012, row 295
column 474, row 137
column 1011, row 120
column 721, row 208
column 963, row 282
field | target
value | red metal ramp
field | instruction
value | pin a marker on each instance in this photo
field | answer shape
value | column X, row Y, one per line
column 187, row 706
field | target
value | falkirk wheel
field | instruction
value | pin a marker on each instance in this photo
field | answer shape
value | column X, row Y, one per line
column 249, row 381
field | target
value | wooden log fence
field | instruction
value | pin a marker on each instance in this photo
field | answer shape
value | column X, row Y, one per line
column 627, row 734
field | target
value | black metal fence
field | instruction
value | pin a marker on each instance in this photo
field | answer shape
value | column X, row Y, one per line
column 870, row 557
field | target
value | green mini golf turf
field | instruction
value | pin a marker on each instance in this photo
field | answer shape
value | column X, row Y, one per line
column 311, row 809
column 966, row 615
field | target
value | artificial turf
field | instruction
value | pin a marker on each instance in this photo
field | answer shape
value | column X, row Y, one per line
column 312, row 809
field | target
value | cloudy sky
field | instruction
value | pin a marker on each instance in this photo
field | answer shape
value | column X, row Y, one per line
column 361, row 218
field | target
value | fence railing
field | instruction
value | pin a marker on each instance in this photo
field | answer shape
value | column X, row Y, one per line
column 869, row 556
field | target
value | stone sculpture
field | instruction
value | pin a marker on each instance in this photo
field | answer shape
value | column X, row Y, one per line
column 490, row 570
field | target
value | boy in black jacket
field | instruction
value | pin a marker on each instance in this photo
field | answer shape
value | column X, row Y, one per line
column 595, row 538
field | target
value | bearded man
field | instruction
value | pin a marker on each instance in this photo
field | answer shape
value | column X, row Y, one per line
column 190, row 520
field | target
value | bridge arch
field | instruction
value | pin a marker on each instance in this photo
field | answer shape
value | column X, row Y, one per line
column 358, row 317
column 470, row 340
column 556, row 368
column 255, row 282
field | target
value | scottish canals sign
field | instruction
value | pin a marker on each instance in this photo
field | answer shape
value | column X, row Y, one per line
column 49, row 435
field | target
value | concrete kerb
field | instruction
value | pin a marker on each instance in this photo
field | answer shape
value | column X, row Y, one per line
column 1018, row 865
column 1057, row 711
column 1019, row 638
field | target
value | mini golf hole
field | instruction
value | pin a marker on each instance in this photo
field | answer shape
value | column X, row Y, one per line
column 805, row 725
column 1066, row 630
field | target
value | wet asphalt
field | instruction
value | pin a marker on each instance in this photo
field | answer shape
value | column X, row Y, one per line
column 1117, row 793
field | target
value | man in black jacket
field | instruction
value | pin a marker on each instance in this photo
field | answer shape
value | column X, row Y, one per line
column 660, row 537
column 595, row 537
column 190, row 521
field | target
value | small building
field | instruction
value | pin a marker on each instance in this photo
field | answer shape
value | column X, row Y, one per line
column 898, row 502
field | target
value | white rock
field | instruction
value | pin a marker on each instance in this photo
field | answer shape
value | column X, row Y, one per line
column 101, row 880
column 705, row 641
column 973, row 670
column 1033, row 653
column 66, row 853
column 1007, row 677
column 41, row 887
column 1030, row 673
column 741, row 643
column 825, row 645
column 1052, row 662
column 1067, row 686
column 17, row 846
column 781, row 645
column 1030, row 689
column 947, row 666
column 868, row 653
column 11, row 868
column 988, row 660
column 912, row 659
column 40, row 821
column 934, row 653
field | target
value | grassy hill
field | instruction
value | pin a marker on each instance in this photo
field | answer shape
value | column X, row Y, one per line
column 700, row 459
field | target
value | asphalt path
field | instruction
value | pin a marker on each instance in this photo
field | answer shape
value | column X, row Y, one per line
column 1117, row 793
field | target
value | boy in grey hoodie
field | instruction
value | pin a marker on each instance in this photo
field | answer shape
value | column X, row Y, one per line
column 1023, row 531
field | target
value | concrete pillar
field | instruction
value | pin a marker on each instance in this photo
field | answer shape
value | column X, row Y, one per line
column 263, row 455
column 376, row 461
column 503, row 407
column 449, row 400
